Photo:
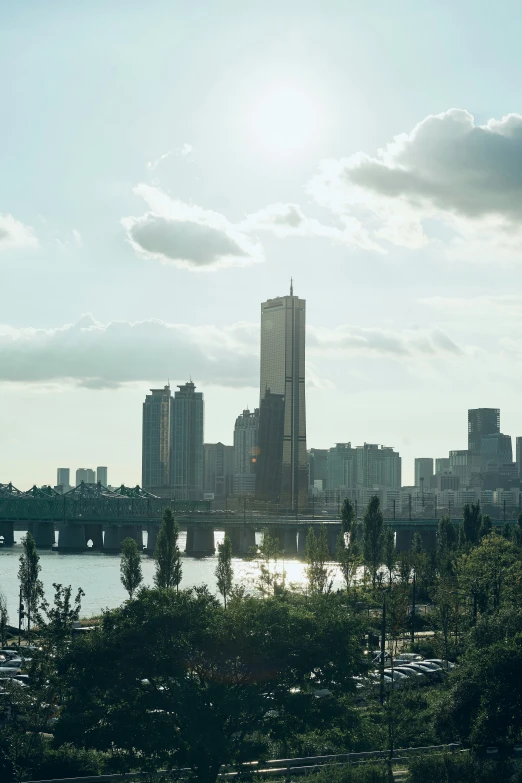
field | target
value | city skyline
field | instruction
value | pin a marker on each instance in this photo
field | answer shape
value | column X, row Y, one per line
column 143, row 223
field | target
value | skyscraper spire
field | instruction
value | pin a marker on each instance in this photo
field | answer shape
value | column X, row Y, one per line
column 291, row 286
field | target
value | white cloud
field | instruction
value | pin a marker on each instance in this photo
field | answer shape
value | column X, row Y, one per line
column 491, row 307
column 77, row 236
column 13, row 233
column 187, row 235
column 364, row 341
column 152, row 165
column 447, row 168
column 289, row 220
column 186, row 149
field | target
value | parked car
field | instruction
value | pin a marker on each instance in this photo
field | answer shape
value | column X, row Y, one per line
column 447, row 665
column 415, row 676
column 432, row 674
column 408, row 658
column 399, row 679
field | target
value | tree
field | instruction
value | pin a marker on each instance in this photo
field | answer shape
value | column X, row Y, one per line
column 4, row 620
column 446, row 545
column 389, row 552
column 348, row 518
column 130, row 566
column 224, row 570
column 417, row 557
column 167, row 554
column 317, row 556
column 489, row 572
column 348, row 557
column 56, row 622
column 268, row 554
column 373, row 537
column 472, row 520
column 486, row 526
column 28, row 574
column 196, row 684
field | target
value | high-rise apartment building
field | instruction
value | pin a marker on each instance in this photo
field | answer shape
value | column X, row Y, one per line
column 518, row 449
column 63, row 479
column 342, row 467
column 442, row 464
column 495, row 450
column 101, row 476
column 246, row 449
column 269, row 463
column 186, row 464
column 282, row 373
column 481, row 421
column 318, row 468
column 378, row 466
column 218, row 470
column 86, row 475
column 155, row 465
column 423, row 472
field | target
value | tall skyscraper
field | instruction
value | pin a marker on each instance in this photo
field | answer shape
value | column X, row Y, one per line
column 424, row 471
column 318, row 468
column 378, row 466
column 63, row 478
column 246, row 434
column 481, row 421
column 186, row 468
column 283, row 375
column 101, row 476
column 342, row 467
column 155, row 463
column 269, row 465
column 518, row 443
column 218, row 470
column 86, row 475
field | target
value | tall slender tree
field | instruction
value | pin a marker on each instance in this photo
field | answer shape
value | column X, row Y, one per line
column 348, row 519
column 472, row 520
column 373, row 530
column 28, row 574
column 167, row 554
column 130, row 566
column 4, row 620
column 317, row 557
column 224, row 570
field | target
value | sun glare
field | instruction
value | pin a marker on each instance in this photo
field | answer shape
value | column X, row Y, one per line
column 285, row 121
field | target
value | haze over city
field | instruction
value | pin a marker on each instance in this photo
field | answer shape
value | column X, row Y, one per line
column 168, row 167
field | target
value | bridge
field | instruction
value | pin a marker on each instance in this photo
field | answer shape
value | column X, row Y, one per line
column 91, row 513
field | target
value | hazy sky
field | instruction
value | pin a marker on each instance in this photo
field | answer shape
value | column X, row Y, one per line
column 166, row 166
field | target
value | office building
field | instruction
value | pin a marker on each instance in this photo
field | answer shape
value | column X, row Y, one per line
column 186, row 463
column 282, row 374
column 63, row 479
column 495, row 450
column 155, row 461
column 269, row 463
column 518, row 455
column 218, row 470
column 481, row 422
column 246, row 449
column 86, row 475
column 318, row 469
column 423, row 472
column 101, row 476
column 342, row 467
column 378, row 466
column 463, row 463
column 442, row 465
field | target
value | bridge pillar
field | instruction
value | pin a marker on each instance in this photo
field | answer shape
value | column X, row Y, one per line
column 7, row 533
column 71, row 537
column 131, row 531
column 290, row 540
column 111, row 539
column 235, row 537
column 43, row 533
column 189, row 546
column 94, row 533
column 332, row 533
column 152, row 538
column 403, row 540
column 302, row 532
column 247, row 539
column 278, row 534
column 202, row 541
column 429, row 540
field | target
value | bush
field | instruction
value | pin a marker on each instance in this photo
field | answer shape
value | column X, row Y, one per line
column 67, row 761
column 364, row 773
column 460, row 768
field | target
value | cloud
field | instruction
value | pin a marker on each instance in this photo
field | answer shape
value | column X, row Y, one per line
column 103, row 356
column 187, row 235
column 363, row 341
column 447, row 167
column 152, row 165
column 97, row 355
column 77, row 236
column 498, row 307
column 186, row 149
column 289, row 220
column 14, row 234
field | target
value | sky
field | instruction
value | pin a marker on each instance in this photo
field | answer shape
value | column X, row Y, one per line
column 167, row 166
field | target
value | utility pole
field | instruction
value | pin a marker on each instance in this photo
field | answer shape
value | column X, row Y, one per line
column 383, row 643
column 21, row 615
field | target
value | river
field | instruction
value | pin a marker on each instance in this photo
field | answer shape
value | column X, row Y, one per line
column 98, row 574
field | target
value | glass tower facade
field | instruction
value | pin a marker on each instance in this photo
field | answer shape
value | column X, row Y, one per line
column 186, row 463
column 155, row 461
column 282, row 373
column 481, row 421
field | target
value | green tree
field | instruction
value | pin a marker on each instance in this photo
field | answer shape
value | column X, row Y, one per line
column 268, row 554
column 490, row 572
column 373, row 525
column 317, row 556
column 486, row 526
column 348, row 557
column 196, row 684
column 224, row 570
column 4, row 620
column 472, row 520
column 167, row 554
column 417, row 562
column 130, row 566
column 55, row 622
column 446, row 545
column 348, row 518
column 28, row 574
column 389, row 552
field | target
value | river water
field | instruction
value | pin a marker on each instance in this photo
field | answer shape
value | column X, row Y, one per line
column 98, row 574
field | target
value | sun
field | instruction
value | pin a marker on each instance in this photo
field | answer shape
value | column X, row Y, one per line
column 285, row 121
